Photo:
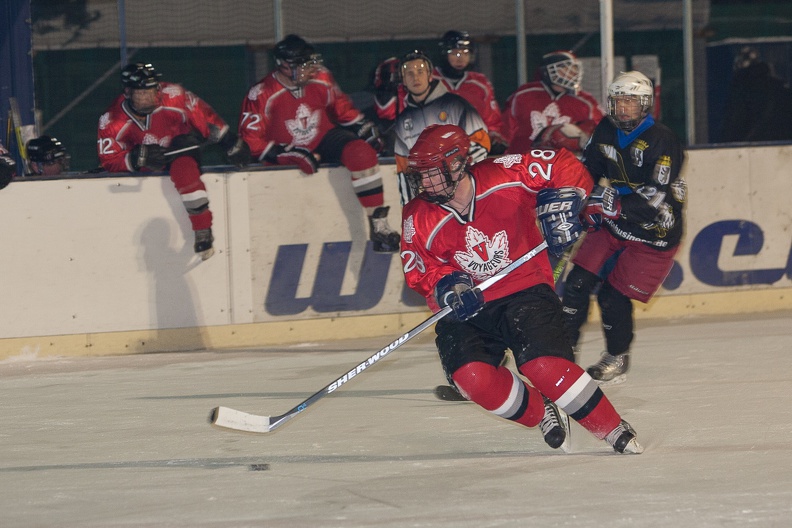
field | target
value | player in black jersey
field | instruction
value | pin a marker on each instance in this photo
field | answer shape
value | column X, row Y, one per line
column 642, row 160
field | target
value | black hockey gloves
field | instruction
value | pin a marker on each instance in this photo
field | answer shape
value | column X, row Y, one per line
column 236, row 150
column 151, row 157
column 456, row 290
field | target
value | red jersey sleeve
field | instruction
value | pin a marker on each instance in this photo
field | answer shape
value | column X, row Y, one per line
column 112, row 152
column 253, row 119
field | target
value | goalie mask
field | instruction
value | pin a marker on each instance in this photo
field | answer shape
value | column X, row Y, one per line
column 437, row 162
column 563, row 70
column 141, row 87
column 630, row 99
column 296, row 59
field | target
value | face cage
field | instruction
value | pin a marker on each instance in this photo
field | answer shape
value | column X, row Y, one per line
column 628, row 126
column 445, row 188
column 302, row 72
column 147, row 110
column 567, row 74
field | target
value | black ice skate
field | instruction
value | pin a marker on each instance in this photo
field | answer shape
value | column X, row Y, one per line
column 610, row 370
column 624, row 440
column 552, row 425
column 203, row 243
column 383, row 238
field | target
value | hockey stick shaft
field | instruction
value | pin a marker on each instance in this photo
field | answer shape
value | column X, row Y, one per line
column 241, row 421
column 183, row 150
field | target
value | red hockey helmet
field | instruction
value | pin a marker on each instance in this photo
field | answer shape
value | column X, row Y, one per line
column 437, row 162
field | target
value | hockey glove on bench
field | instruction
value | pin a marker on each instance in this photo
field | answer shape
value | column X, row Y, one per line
column 301, row 157
column 456, row 290
column 557, row 211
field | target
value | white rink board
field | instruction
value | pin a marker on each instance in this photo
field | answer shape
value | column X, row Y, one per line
column 88, row 257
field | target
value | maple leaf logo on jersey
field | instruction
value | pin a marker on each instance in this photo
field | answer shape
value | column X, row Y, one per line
column 255, row 92
column 551, row 115
column 104, row 120
column 305, row 126
column 484, row 257
column 509, row 160
column 408, row 230
column 151, row 139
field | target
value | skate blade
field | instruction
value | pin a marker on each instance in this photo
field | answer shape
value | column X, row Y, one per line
column 205, row 255
column 633, row 448
column 618, row 380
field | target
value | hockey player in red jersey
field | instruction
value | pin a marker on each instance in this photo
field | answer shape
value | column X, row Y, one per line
column 297, row 115
column 466, row 224
column 455, row 72
column 148, row 126
column 555, row 99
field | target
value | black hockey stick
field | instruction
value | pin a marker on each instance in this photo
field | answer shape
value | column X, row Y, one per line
column 241, row 421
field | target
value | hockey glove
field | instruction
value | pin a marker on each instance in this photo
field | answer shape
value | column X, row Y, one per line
column 558, row 213
column 476, row 153
column 192, row 141
column 368, row 132
column 300, row 157
column 603, row 202
column 236, row 149
column 7, row 170
column 149, row 156
column 456, row 290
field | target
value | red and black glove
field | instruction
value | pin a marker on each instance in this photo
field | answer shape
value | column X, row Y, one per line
column 300, row 157
column 603, row 202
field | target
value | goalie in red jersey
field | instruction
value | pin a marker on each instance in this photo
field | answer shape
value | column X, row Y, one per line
column 555, row 99
column 466, row 224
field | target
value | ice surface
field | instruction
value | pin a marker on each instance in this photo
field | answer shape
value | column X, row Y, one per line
column 124, row 441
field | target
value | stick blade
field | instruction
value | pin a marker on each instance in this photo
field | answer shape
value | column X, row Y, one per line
column 234, row 420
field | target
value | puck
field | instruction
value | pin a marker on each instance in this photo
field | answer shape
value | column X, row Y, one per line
column 259, row 467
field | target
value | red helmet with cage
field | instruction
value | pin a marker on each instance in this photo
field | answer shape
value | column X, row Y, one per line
column 437, row 162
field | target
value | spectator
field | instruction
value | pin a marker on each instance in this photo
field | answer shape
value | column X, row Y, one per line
column 7, row 167
column 760, row 105
column 494, row 208
column 455, row 72
column 555, row 99
column 642, row 160
column 154, row 126
column 297, row 115
column 430, row 103
column 48, row 156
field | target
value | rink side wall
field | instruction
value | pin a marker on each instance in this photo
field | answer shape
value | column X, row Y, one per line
column 104, row 265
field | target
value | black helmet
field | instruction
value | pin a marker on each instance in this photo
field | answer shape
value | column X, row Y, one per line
column 456, row 40
column 140, row 76
column 293, row 50
column 45, row 149
column 415, row 55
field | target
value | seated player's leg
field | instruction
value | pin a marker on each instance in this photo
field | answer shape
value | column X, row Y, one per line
column 185, row 173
